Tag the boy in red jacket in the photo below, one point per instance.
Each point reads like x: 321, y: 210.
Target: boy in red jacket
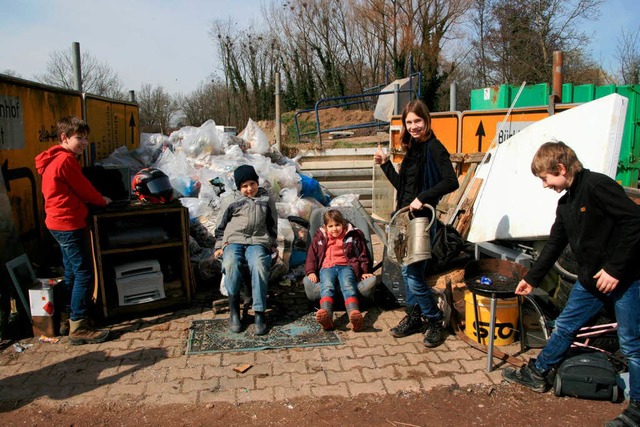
x: 66, y: 194
x: 338, y: 252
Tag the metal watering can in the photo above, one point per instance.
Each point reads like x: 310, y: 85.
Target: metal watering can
x: 414, y: 244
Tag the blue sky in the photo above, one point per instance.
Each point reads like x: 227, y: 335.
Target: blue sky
x: 166, y: 43
x: 159, y: 42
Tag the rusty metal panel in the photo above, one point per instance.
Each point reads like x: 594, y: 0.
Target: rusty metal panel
x: 29, y: 127
x: 113, y: 124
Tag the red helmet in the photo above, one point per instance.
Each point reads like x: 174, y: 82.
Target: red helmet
x: 151, y: 185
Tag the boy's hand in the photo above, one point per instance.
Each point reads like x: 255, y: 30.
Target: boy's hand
x: 523, y: 288
x: 107, y: 200
x: 366, y: 275
x: 217, y: 253
x: 606, y: 283
x: 379, y: 157
x: 313, y: 277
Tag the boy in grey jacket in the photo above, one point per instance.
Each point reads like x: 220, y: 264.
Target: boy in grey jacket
x: 247, y: 236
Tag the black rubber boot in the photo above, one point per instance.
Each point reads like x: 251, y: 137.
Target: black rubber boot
x: 261, y: 323
x: 235, y: 325
x: 410, y: 324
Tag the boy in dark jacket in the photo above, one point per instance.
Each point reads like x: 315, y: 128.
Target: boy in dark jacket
x: 66, y: 193
x: 602, y: 226
x: 247, y: 236
x: 338, y: 252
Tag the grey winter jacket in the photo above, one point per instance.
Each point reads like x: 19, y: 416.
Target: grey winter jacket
x: 248, y: 220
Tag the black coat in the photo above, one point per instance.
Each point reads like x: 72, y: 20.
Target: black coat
x: 602, y: 226
x: 411, y: 181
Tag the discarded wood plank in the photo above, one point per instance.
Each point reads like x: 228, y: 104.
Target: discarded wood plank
x: 466, y: 209
x: 473, y: 157
x: 241, y: 369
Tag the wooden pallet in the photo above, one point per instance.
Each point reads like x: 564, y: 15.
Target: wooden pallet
x: 456, y: 208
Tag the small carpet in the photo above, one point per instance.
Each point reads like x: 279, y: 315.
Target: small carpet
x: 213, y: 336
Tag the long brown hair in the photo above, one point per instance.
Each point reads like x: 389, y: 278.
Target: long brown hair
x: 418, y: 108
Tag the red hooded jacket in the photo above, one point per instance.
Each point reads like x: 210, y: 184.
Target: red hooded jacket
x: 66, y: 190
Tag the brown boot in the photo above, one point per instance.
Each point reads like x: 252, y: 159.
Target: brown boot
x: 81, y: 332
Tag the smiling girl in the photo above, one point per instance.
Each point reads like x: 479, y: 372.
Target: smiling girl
x: 425, y: 175
x: 338, y: 253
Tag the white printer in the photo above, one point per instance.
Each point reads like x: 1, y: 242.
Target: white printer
x: 139, y: 282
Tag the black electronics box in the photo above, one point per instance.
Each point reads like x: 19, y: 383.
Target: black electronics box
x: 393, y: 291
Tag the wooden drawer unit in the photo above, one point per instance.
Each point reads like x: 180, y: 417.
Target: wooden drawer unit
x: 142, y: 233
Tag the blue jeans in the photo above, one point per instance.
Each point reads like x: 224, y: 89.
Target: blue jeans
x: 234, y: 259
x: 344, y: 275
x: 581, y: 307
x: 418, y: 292
x: 77, y: 260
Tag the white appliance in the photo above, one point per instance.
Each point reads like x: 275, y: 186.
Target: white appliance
x: 139, y: 282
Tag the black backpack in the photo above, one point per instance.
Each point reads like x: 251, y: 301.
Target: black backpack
x: 447, y: 245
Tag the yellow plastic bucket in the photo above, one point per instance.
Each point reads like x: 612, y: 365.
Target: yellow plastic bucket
x: 506, y: 319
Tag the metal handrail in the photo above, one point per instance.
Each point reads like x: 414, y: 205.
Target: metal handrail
x: 319, y: 131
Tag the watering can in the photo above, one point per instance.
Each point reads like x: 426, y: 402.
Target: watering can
x: 414, y: 243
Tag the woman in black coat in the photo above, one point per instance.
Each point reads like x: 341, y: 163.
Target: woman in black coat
x: 425, y: 175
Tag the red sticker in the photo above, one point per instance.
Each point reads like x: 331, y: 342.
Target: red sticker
x: 48, y: 308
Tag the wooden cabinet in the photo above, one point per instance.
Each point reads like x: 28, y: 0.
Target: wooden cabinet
x: 142, y: 233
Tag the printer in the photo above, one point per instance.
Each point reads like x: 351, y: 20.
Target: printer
x: 139, y: 282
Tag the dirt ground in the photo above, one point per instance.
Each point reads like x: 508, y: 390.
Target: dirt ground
x: 477, y: 406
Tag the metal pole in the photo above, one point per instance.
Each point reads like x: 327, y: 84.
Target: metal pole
x: 557, y: 75
x: 77, y: 67
x: 396, y: 99
x: 492, y: 327
x: 278, y: 121
x: 453, y: 93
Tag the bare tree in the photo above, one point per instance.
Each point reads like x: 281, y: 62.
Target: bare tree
x: 628, y: 55
x: 10, y: 72
x: 208, y: 101
x: 156, y: 108
x: 515, y: 39
x: 97, y: 78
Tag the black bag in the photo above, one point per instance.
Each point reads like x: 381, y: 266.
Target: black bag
x: 447, y: 245
x: 587, y: 375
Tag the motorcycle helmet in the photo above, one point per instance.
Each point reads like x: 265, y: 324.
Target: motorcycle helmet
x: 151, y: 185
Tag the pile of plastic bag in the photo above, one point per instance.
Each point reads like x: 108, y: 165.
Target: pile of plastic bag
x: 200, y: 161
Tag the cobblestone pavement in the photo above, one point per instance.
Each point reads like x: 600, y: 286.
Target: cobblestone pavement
x: 146, y: 363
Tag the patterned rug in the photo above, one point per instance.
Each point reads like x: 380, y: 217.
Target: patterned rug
x: 213, y: 336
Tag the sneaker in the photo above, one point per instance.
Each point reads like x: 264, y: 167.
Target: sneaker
x: 355, y: 317
x: 410, y: 324
x: 325, y: 319
x: 528, y: 375
x: 434, y: 335
x: 628, y: 417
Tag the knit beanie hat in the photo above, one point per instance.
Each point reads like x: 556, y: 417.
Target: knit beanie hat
x: 244, y: 173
